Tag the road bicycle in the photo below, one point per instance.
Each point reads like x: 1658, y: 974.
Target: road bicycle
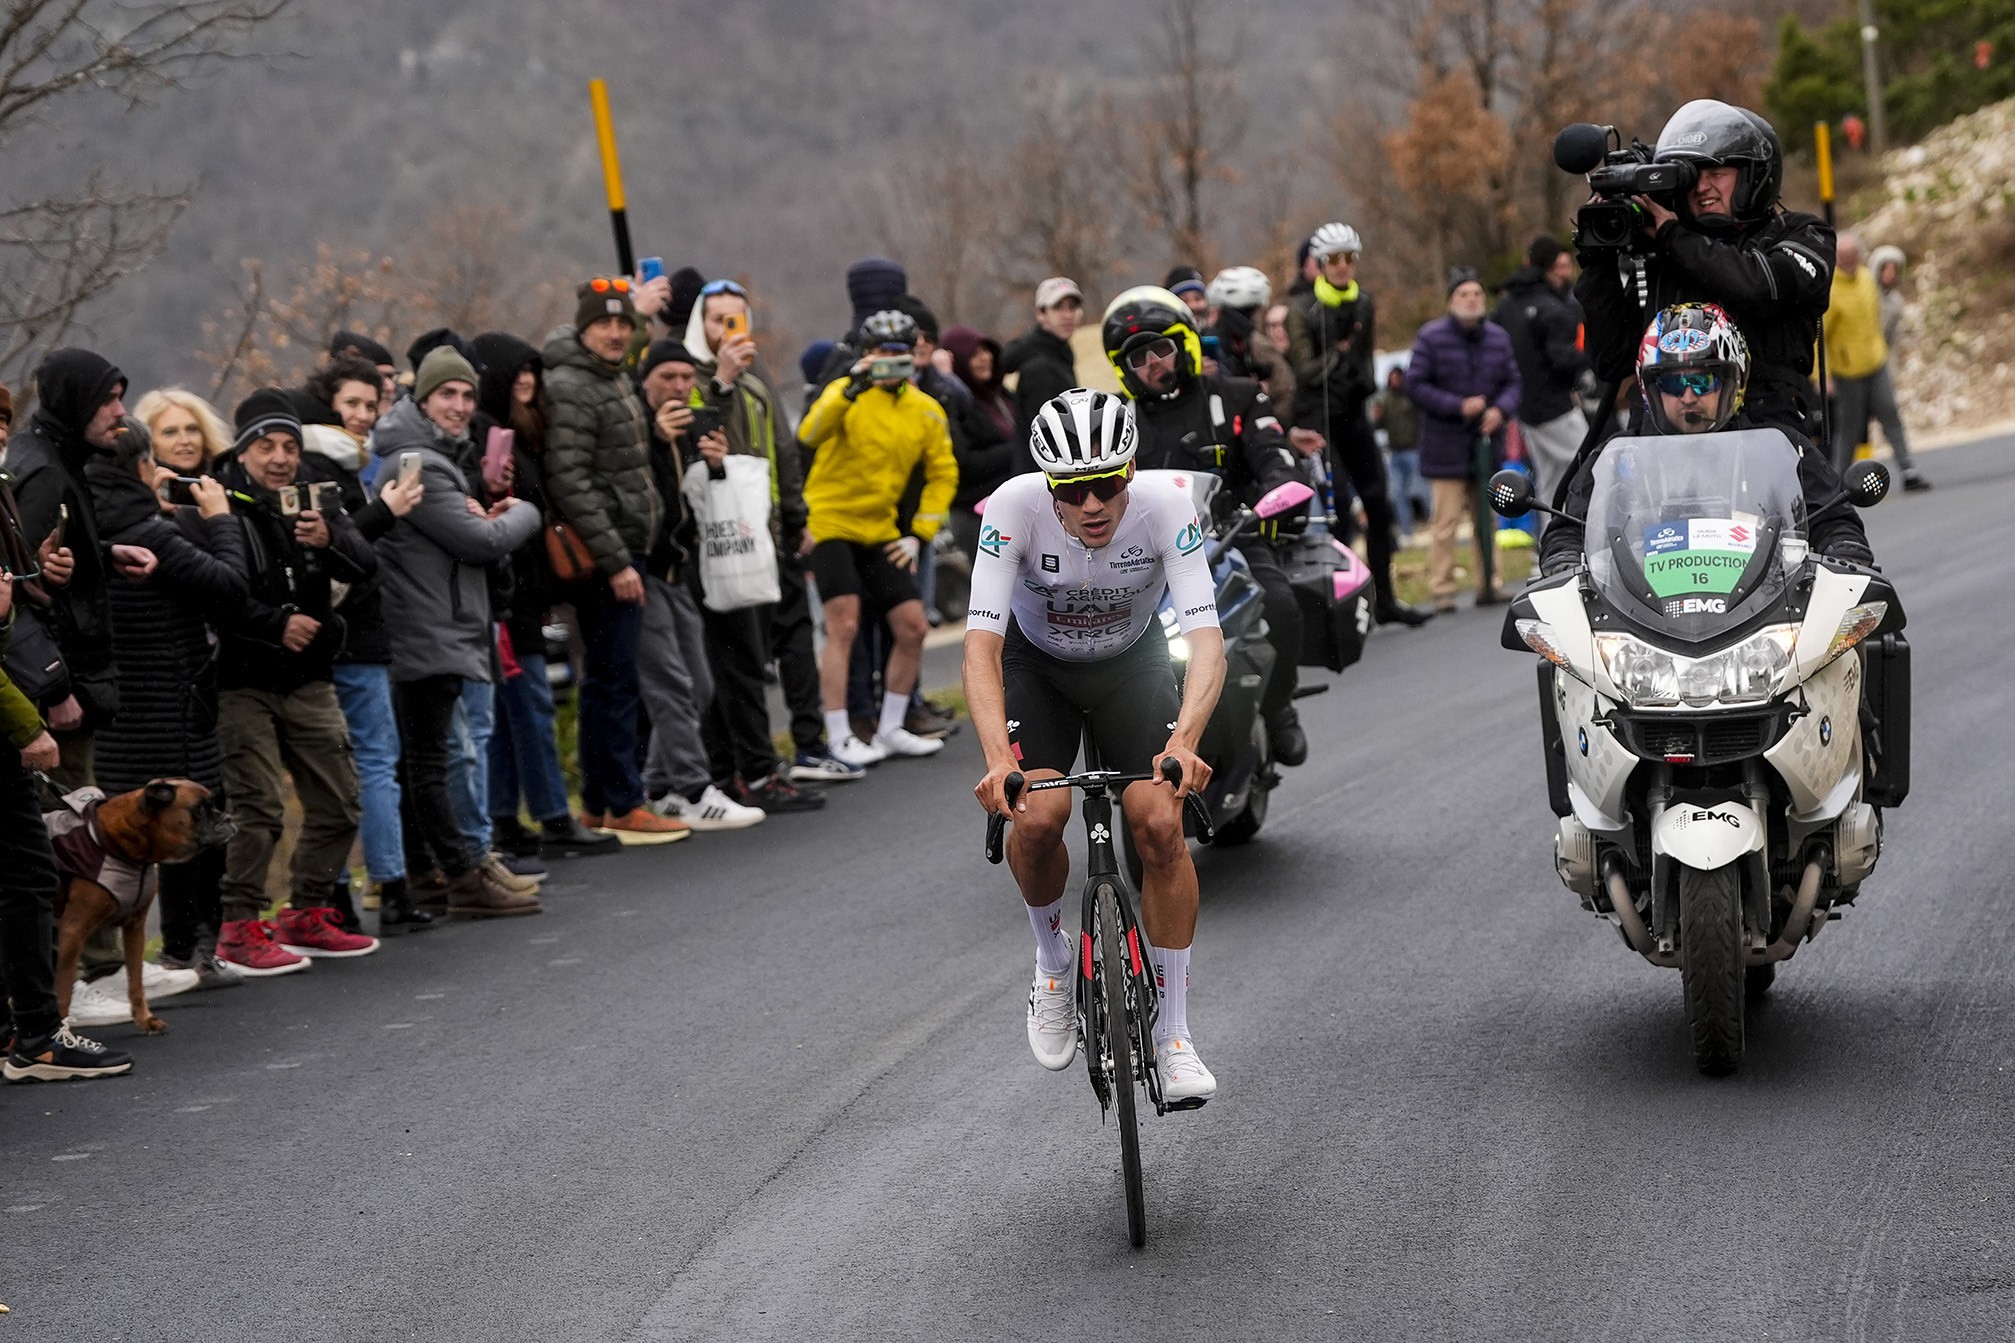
x: 1116, y: 999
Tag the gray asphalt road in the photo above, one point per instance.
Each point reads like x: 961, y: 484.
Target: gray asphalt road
x: 774, y: 1085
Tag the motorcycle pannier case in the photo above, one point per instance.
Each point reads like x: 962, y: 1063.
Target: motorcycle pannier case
x: 1887, y: 666
x: 1333, y: 589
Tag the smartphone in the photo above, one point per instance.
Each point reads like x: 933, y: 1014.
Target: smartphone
x: 497, y: 452
x: 325, y: 497
x: 890, y: 367
x: 177, y: 490
x: 290, y: 500
x: 734, y: 324
x: 650, y: 268
x: 62, y: 524
x: 704, y: 422
x: 409, y: 467
x: 1211, y: 345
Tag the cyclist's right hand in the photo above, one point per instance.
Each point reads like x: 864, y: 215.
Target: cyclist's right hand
x: 992, y: 791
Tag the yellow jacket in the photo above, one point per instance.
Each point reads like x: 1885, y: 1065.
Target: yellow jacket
x: 865, y: 451
x: 1854, y: 344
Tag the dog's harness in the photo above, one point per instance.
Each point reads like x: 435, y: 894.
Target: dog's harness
x: 81, y: 853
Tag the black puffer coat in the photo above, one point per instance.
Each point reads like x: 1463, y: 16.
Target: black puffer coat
x: 161, y: 645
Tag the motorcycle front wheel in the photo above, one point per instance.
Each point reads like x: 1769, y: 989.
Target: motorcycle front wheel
x: 1712, y: 966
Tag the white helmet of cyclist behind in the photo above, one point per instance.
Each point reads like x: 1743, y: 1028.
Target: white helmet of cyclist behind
x: 1334, y: 239
x: 1243, y: 287
x: 1082, y: 433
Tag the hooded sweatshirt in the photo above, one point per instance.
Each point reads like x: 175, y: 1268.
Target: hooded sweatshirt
x: 756, y: 427
x: 436, y: 592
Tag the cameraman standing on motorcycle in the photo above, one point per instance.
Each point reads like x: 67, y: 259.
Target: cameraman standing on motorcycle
x: 1731, y: 243
x: 1188, y: 420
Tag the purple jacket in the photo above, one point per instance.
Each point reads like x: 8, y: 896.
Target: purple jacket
x: 1448, y: 366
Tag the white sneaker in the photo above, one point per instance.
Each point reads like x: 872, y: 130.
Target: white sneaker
x: 854, y: 751
x: 714, y: 811
x: 158, y: 981
x: 1185, y: 1082
x: 101, y: 1003
x: 902, y: 741
x: 1052, y: 1019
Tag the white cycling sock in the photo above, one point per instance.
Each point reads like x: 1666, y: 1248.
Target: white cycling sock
x: 1171, y: 979
x: 1052, y: 946
x: 895, y: 708
x: 838, y: 729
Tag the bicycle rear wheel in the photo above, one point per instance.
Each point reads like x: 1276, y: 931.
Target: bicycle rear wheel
x: 1119, y: 1046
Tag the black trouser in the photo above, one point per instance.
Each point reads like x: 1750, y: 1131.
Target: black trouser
x: 1283, y: 625
x: 736, y: 726
x: 792, y: 645
x: 1353, y: 456
x: 27, y: 909
x: 426, y: 710
x: 192, y: 905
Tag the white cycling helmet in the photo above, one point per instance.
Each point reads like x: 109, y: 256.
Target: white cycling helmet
x: 1331, y: 239
x: 1241, y: 287
x: 1082, y: 432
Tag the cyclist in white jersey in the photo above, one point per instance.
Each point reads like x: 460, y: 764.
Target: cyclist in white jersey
x: 1073, y: 561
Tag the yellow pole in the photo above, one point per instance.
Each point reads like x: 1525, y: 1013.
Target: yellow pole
x: 612, y: 174
x: 1823, y: 134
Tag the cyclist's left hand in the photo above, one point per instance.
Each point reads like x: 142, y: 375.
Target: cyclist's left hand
x: 1195, y: 774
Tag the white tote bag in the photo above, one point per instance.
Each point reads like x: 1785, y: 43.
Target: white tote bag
x: 738, y: 563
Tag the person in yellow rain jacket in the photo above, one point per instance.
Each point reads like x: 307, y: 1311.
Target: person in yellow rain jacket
x: 868, y: 435
x: 1857, y: 365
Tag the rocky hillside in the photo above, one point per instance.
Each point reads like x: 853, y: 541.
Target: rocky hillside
x: 1949, y: 203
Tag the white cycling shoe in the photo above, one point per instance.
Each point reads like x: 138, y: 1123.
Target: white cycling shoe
x: 1185, y: 1082
x: 1052, y: 1019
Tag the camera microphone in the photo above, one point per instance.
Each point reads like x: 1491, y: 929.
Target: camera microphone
x: 1580, y: 148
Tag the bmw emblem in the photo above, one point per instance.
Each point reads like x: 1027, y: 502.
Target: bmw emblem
x: 1584, y: 741
x: 1826, y: 732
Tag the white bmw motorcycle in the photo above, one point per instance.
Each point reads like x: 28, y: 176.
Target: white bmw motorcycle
x: 1725, y: 713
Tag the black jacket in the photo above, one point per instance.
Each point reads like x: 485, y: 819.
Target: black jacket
x: 286, y: 579
x: 1220, y: 424
x: 1331, y: 385
x: 1774, y: 278
x: 365, y: 637
x: 1833, y: 525
x: 1048, y: 368
x: 167, y: 675
x: 1545, y: 329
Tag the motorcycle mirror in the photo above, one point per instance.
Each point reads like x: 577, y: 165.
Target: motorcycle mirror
x: 1867, y: 484
x: 1511, y: 494
x: 1284, y: 498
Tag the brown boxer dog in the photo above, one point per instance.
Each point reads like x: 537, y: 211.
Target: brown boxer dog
x: 109, y: 852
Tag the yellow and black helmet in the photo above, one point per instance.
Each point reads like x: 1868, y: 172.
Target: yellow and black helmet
x: 1141, y: 317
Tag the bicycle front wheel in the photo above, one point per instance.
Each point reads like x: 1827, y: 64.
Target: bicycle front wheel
x: 1119, y: 1047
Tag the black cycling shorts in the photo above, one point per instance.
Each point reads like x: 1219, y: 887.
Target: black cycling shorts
x: 849, y: 569
x: 1130, y: 696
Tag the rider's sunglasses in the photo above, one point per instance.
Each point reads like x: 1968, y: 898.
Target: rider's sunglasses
x: 1138, y: 359
x: 1679, y: 384
x: 602, y: 284
x: 1074, y: 490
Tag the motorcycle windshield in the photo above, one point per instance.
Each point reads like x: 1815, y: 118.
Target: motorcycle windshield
x: 1693, y: 534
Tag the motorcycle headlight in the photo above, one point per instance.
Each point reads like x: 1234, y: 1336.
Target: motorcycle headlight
x: 1856, y: 625
x: 1651, y: 678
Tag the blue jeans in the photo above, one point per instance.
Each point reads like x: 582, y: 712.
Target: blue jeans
x: 524, y: 757
x: 365, y: 692
x: 610, y: 631
x: 1408, y: 490
x: 469, y: 764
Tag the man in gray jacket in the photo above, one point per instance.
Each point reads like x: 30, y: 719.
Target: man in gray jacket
x: 437, y: 608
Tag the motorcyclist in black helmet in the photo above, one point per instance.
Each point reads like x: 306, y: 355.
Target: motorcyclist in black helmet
x: 1191, y: 421
x: 1730, y: 243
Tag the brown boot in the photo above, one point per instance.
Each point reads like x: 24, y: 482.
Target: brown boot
x: 474, y: 895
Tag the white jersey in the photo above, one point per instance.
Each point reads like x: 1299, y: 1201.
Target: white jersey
x: 1082, y: 604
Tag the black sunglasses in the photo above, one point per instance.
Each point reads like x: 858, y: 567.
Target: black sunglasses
x: 1074, y: 492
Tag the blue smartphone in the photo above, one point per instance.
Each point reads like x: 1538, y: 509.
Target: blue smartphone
x: 651, y: 267
x: 1210, y: 347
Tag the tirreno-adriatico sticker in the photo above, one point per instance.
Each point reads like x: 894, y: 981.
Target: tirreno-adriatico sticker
x: 1697, y: 555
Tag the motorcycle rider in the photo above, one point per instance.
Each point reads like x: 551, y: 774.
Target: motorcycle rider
x: 1730, y: 243
x: 1693, y: 371
x: 1074, y: 559
x: 1189, y: 420
x: 1330, y: 334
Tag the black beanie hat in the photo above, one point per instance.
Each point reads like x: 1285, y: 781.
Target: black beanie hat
x: 267, y: 411
x: 427, y: 342
x: 1545, y: 250
x: 1301, y: 254
x: 1184, y: 278
x: 686, y: 286
x: 919, y: 312
x: 667, y: 351
x: 362, y: 346
x: 1458, y: 276
x: 874, y: 284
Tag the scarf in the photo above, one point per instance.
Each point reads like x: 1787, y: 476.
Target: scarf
x: 1330, y: 296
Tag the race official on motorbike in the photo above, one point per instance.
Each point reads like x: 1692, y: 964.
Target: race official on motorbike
x: 1730, y: 243
x: 1693, y: 370
x: 1188, y: 420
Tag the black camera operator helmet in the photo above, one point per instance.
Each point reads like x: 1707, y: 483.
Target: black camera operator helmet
x: 1149, y: 319
x: 1713, y: 134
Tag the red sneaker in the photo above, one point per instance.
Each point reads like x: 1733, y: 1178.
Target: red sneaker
x: 248, y: 944
x: 318, y: 932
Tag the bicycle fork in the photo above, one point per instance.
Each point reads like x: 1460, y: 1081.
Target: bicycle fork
x: 1142, y: 998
